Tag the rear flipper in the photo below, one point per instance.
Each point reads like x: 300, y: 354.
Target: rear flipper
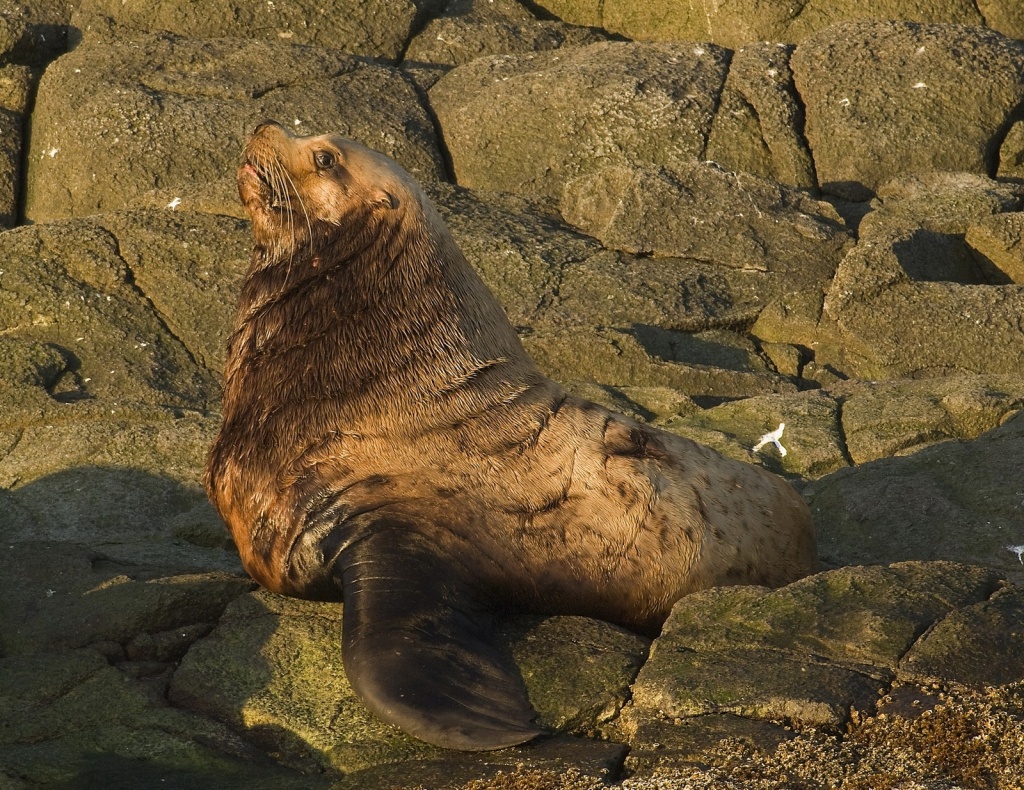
x: 418, y: 650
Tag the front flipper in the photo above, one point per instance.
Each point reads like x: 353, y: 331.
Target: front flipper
x: 417, y: 647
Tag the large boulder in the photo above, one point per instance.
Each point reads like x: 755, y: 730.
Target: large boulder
x: 125, y: 112
x: 955, y: 500
x: 699, y: 211
x: 858, y: 675
x: 912, y: 299
x: 470, y: 29
x: 809, y: 432
x: 887, y: 418
x: 530, y: 123
x: 648, y: 356
x: 112, y: 342
x: 995, y: 244
x: 71, y: 719
x: 735, y: 24
x: 808, y: 652
x: 738, y: 23
x: 758, y: 127
x: 375, y: 28
x: 885, y: 98
x: 69, y: 285
x: 544, y: 272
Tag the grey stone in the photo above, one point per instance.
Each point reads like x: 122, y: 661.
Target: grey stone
x: 126, y: 112
x: 903, y: 304
x: 658, y: 743
x: 893, y: 97
x: 272, y: 667
x: 956, y: 500
x: 66, y: 284
x: 643, y: 356
x: 1006, y: 16
x: 35, y: 32
x: 579, y: 12
x: 63, y: 596
x: 189, y: 267
x: 807, y: 652
x: 13, y: 28
x: 995, y: 244
x: 1011, y: 152
x: 882, y: 419
x: 861, y: 617
x: 899, y: 317
x: 604, y: 660
x: 70, y: 719
x: 375, y: 28
x: 758, y: 124
x: 735, y: 24
x: 811, y: 437
x: 700, y: 211
x: 471, y: 29
x: 980, y: 645
x: 553, y: 764
x: 544, y: 272
x: 938, y: 202
x: 521, y: 250
x: 128, y: 487
x: 613, y: 288
x: 530, y: 123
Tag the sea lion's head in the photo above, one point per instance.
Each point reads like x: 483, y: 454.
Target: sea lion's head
x: 304, y: 193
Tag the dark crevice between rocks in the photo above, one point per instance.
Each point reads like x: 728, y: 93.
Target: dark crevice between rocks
x: 10, y: 451
x: 617, y: 771
x: 703, y: 155
x: 612, y: 723
x: 65, y: 384
x: 541, y: 13
x: 841, y: 432
x: 767, y: 361
x: 426, y: 12
x: 442, y: 145
x: 21, y: 180
x: 800, y: 122
x: 995, y: 144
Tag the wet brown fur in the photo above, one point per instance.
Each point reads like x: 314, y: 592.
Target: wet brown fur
x: 387, y: 440
x: 371, y: 368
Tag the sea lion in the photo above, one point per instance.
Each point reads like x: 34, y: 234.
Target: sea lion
x: 387, y: 441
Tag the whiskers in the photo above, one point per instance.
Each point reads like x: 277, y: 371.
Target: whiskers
x: 284, y: 194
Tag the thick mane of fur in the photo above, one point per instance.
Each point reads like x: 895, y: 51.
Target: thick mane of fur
x: 378, y: 326
x: 385, y: 294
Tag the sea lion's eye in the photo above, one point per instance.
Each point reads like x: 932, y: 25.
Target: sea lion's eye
x: 324, y: 160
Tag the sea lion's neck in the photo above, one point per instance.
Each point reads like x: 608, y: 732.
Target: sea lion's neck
x: 392, y: 308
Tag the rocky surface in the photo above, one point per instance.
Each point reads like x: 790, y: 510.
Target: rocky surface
x: 735, y: 24
x: 126, y: 112
x: 743, y: 218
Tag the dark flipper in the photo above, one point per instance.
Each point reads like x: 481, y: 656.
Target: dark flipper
x: 418, y: 650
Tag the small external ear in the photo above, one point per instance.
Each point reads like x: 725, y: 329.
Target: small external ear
x: 386, y: 199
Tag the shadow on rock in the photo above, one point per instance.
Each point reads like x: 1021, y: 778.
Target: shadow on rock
x: 954, y: 500
x: 114, y: 772
x: 153, y: 521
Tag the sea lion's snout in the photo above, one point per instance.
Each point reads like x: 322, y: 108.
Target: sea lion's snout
x: 268, y: 123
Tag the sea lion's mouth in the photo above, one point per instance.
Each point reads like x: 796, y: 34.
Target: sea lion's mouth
x: 268, y: 187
